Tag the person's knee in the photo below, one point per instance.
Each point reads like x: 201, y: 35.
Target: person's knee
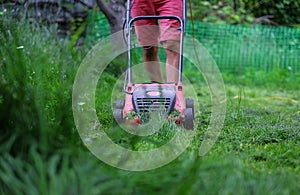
x: 150, y: 51
x: 172, y: 45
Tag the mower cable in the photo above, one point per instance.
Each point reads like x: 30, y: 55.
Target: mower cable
x: 195, y: 50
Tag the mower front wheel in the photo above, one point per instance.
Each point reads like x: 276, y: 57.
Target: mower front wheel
x: 188, y: 122
x: 120, y: 103
x: 118, y: 115
x: 189, y: 103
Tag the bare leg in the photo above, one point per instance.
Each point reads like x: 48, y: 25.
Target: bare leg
x: 152, y: 63
x: 172, y: 53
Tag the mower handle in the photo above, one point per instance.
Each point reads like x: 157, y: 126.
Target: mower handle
x: 182, y: 30
x: 158, y: 18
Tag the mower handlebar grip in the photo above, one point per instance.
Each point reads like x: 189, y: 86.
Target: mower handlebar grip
x: 157, y: 17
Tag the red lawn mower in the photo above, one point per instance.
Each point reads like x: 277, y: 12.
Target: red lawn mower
x: 144, y: 98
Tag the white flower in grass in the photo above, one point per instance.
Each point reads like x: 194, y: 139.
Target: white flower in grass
x: 20, y: 47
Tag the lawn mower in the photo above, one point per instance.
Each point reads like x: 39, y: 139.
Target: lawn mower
x: 143, y: 98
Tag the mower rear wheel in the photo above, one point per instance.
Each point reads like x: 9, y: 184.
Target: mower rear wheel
x: 118, y: 115
x: 189, y: 103
x: 188, y: 122
x: 120, y: 103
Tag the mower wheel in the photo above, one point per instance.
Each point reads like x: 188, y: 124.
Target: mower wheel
x: 120, y: 103
x: 118, y: 114
x: 188, y: 122
x: 189, y: 103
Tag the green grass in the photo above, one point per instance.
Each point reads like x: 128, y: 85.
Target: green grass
x: 41, y: 152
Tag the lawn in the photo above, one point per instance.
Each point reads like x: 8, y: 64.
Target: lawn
x: 257, y: 152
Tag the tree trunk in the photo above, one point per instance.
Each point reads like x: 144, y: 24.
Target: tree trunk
x: 115, y: 14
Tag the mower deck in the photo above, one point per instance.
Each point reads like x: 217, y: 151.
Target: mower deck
x: 142, y: 99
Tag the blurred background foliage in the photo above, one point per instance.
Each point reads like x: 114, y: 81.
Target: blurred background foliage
x: 283, y: 13
x: 71, y: 16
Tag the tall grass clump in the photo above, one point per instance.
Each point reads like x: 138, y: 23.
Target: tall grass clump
x: 36, y: 78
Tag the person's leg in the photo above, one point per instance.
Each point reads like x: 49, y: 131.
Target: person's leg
x: 172, y: 60
x: 152, y: 63
x: 170, y: 36
x: 148, y: 33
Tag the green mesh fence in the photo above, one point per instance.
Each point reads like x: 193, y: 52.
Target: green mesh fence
x: 237, y: 48
x: 257, y: 47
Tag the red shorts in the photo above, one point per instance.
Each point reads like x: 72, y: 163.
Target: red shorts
x: 148, y: 32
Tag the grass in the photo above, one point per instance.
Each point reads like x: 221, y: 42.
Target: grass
x: 41, y: 152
